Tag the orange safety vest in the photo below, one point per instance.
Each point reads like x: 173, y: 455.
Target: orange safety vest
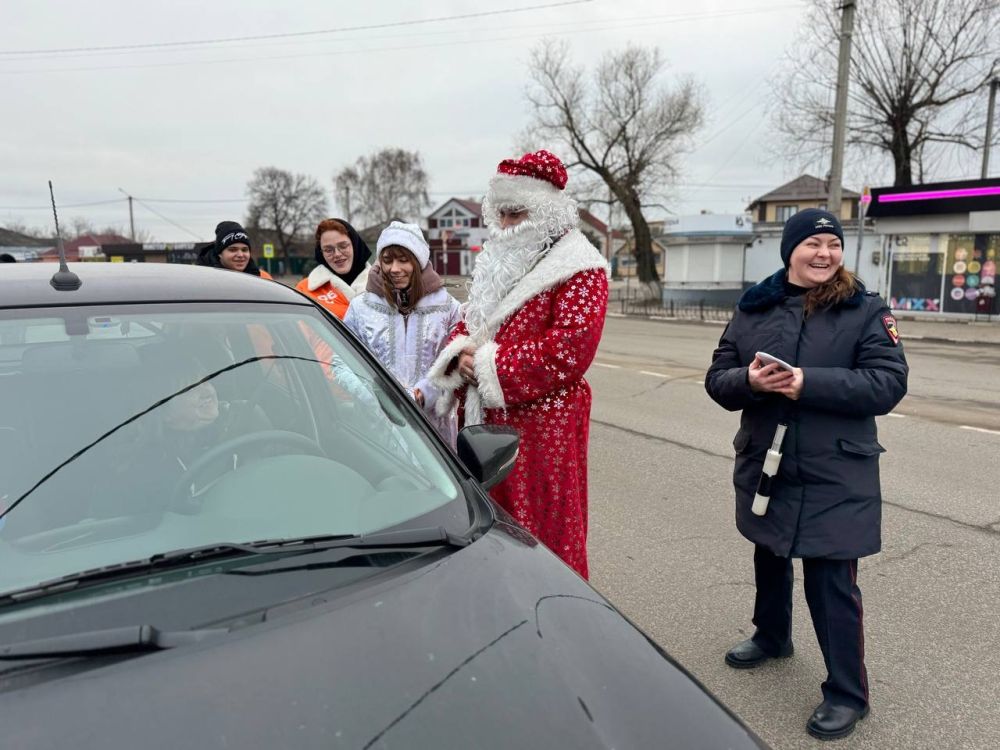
x: 327, y: 296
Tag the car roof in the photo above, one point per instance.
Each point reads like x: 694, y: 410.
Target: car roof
x: 27, y: 285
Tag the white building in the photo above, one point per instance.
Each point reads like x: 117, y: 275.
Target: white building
x: 705, y: 257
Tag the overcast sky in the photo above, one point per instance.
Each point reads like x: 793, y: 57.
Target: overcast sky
x: 191, y: 123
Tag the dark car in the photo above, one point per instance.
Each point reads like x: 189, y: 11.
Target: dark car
x: 224, y: 525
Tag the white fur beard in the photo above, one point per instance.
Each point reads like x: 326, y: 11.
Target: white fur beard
x: 504, y: 261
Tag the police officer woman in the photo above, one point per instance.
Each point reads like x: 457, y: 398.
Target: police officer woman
x: 825, y: 500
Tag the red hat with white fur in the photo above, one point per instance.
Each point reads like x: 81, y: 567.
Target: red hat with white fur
x: 541, y: 165
x: 532, y: 182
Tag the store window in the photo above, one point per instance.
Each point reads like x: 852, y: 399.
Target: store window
x: 970, y: 271
x: 917, y: 268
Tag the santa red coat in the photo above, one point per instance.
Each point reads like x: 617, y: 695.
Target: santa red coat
x: 545, y: 334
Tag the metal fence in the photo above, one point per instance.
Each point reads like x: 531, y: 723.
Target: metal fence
x: 629, y: 303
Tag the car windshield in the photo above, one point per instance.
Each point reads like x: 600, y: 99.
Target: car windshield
x: 130, y: 431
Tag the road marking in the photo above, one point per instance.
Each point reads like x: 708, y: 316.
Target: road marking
x: 700, y: 382
x: 654, y: 374
x: 610, y: 367
x: 896, y: 416
x: 979, y: 429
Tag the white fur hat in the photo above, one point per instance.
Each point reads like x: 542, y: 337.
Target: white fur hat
x: 408, y: 236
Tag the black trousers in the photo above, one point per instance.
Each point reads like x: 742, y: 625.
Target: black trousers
x: 834, y: 600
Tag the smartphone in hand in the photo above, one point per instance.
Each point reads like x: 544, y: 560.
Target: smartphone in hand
x: 769, y: 359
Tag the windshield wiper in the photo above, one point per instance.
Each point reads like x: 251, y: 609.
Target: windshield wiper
x: 124, y: 640
x: 420, y: 537
x: 169, y: 559
x: 412, y: 541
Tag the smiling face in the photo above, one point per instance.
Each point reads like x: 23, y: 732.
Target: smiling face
x: 815, y: 260
x: 397, y: 266
x: 235, y: 257
x: 337, y: 250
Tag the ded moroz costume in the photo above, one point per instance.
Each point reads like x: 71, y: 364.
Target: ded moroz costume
x: 534, y: 319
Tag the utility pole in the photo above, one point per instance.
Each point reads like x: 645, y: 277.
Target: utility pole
x: 866, y: 198
x: 609, y: 232
x: 131, y: 216
x: 347, y: 199
x: 840, y: 108
x: 994, y: 85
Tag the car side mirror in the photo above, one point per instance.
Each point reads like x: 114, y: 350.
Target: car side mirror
x: 489, y: 452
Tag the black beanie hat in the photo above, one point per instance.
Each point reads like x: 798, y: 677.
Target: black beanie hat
x: 229, y: 233
x: 226, y: 233
x: 805, y: 224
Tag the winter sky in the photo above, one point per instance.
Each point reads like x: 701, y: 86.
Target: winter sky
x: 191, y: 122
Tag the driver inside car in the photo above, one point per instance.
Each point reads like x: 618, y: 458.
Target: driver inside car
x: 168, y: 442
x: 195, y: 421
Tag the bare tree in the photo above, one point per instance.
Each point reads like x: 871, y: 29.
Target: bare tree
x: 81, y: 225
x: 19, y: 226
x: 388, y: 183
x: 919, y: 75
x: 284, y: 203
x: 622, y: 125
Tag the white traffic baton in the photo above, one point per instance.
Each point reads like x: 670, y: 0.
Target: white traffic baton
x: 771, y: 462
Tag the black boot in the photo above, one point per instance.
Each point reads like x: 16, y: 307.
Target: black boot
x: 831, y: 722
x: 748, y: 654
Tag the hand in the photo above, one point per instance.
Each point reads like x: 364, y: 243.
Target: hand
x: 794, y: 389
x: 467, y: 366
x: 768, y: 378
x: 418, y: 396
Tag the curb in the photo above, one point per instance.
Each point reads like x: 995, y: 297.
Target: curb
x: 945, y: 340
x: 668, y: 319
x: 695, y: 321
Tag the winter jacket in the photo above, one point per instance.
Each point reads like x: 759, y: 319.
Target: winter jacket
x: 408, y: 345
x: 826, y: 500
x: 332, y: 292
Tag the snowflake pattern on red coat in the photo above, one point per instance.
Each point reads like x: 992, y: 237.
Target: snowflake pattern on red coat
x: 543, y: 351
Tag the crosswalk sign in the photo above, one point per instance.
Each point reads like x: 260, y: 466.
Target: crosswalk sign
x: 268, y: 249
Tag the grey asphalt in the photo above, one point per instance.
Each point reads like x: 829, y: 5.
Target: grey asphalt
x: 664, y: 547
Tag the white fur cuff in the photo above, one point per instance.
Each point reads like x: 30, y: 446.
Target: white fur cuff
x: 445, y: 403
x: 438, y: 373
x: 490, y: 391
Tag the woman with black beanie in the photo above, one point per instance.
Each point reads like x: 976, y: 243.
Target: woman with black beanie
x: 342, y: 273
x: 836, y: 362
x: 231, y: 250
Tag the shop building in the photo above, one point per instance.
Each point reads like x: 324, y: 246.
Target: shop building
x: 941, y: 243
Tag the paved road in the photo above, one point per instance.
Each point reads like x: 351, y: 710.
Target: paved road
x: 665, y: 549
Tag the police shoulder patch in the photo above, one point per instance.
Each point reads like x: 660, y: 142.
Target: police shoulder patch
x: 890, y: 326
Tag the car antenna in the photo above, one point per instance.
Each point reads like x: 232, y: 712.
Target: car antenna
x: 62, y: 280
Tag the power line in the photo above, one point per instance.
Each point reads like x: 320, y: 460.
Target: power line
x: 602, y: 24
x: 62, y: 205
x: 168, y: 220
x: 455, y: 193
x: 195, y: 200
x: 294, y: 34
x: 565, y: 30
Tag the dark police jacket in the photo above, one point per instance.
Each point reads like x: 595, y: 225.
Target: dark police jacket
x: 826, y: 500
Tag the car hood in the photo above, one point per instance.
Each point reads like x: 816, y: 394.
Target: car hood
x: 495, y: 646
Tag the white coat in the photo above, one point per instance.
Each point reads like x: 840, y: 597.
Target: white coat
x: 408, y: 345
